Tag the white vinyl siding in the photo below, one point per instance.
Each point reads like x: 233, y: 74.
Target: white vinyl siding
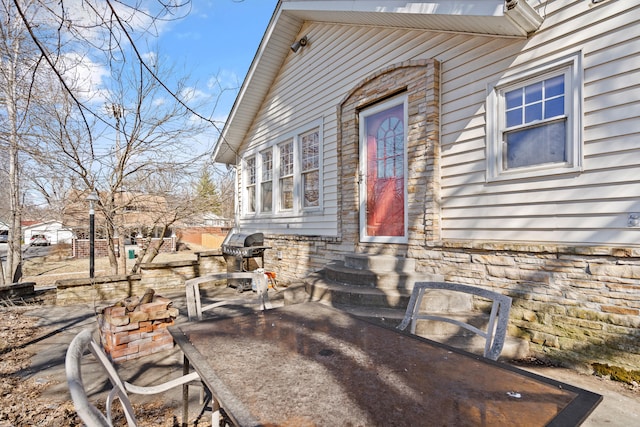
x: 589, y: 206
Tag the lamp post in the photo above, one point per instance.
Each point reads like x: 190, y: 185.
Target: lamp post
x: 92, y: 197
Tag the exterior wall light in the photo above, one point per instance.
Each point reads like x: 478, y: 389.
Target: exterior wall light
x: 298, y: 44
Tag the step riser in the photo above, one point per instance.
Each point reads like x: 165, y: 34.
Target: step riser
x: 434, y: 329
x: 437, y: 301
x: 365, y: 278
x: 446, y: 302
x: 390, y: 280
x: 379, y: 263
x: 345, y: 297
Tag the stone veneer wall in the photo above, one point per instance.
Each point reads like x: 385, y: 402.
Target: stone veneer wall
x: 575, y: 304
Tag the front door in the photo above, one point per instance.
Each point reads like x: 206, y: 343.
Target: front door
x: 383, y: 166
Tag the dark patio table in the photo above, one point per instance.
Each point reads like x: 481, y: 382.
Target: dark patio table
x: 313, y: 365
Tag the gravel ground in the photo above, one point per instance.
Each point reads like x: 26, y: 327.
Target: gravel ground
x: 30, y: 396
x: 25, y: 397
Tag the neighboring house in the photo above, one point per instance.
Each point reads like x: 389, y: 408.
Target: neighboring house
x: 494, y: 142
x: 55, y: 232
x: 137, y: 213
x: 213, y: 220
x: 4, y: 232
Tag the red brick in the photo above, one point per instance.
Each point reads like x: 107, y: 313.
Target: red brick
x: 138, y: 316
x: 130, y: 327
x: 163, y: 339
x: 163, y: 325
x: 153, y: 306
x: 161, y: 314
x: 117, y: 354
x: 125, y: 338
x: 114, y: 311
x: 145, y: 327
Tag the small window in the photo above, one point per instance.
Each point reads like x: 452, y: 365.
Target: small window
x: 286, y: 175
x: 310, y: 152
x: 266, y: 184
x: 534, y: 123
x: 251, y: 184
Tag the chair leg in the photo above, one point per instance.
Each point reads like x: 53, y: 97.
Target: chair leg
x: 216, y: 417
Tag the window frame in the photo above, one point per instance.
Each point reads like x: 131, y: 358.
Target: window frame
x: 305, y: 172
x: 571, y: 67
x: 286, y: 175
x: 269, y: 175
x: 250, y: 184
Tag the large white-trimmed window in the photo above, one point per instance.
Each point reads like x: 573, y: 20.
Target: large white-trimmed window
x: 266, y: 182
x: 283, y: 177
x: 534, y: 122
x: 310, y: 169
x: 250, y: 190
x: 285, y: 189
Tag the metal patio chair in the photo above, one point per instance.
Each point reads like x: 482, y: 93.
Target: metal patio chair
x: 194, y: 301
x: 496, y: 330
x: 260, y: 281
x: 89, y: 413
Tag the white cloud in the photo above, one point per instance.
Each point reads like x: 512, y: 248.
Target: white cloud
x: 86, y: 76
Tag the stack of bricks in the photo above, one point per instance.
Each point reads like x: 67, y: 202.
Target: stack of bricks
x: 131, y: 334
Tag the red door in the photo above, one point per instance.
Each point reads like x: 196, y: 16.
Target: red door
x: 384, y: 174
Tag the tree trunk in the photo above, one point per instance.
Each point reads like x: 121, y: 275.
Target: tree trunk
x: 13, y: 271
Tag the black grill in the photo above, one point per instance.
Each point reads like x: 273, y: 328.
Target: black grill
x: 241, y: 251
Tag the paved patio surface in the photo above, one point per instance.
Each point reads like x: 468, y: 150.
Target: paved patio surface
x: 619, y: 408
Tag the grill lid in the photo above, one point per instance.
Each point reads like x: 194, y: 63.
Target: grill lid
x: 239, y: 240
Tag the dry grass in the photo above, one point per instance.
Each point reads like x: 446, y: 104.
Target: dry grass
x: 59, y: 265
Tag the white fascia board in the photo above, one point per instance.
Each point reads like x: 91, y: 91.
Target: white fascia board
x: 461, y: 8
x: 523, y: 15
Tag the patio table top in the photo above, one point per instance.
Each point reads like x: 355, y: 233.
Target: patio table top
x: 309, y: 364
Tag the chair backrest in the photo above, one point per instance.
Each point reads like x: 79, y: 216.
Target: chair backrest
x: 89, y: 414
x: 194, y: 301
x: 496, y: 329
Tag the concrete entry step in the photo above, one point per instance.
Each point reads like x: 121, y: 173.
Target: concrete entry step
x: 378, y: 287
x: 317, y: 288
x: 380, y: 263
x: 339, y: 272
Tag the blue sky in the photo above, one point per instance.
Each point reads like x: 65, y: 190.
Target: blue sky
x: 217, y: 38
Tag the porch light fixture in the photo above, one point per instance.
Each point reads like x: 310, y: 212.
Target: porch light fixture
x: 298, y: 44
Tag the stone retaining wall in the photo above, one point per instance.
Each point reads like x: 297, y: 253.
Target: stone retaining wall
x: 163, y: 278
